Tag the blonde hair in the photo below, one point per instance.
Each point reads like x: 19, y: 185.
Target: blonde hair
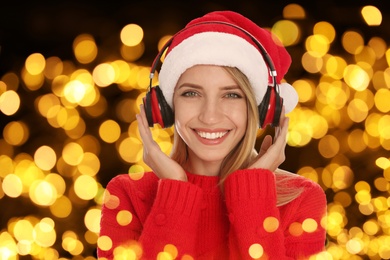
x: 244, y: 153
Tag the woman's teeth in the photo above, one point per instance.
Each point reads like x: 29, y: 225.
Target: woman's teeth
x: 214, y: 135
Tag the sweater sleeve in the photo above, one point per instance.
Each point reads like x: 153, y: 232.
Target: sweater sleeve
x: 173, y: 219
x: 169, y: 218
x: 257, y: 229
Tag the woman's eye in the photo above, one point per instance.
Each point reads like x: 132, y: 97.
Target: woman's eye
x: 189, y: 94
x: 233, y: 95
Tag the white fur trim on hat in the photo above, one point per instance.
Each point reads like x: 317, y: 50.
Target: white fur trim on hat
x: 289, y: 95
x: 221, y: 49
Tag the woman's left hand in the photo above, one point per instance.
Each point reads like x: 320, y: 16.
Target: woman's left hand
x: 271, y: 155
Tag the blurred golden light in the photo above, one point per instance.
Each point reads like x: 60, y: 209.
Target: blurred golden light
x: 75, y: 91
x: 383, y: 162
x: 57, y: 181
x: 354, y: 245
x: 45, y: 157
x: 294, y: 11
x: 110, y: 201
x: 9, y: 102
x: 43, y: 193
x: 121, y: 70
x: 92, y: 220
x: 335, y: 67
x: 356, y: 141
x: 356, y: 77
x: 104, y: 74
x: 256, y: 251
x: 12, y: 186
x: 23, y: 230
x: 48, y: 105
x: 62, y: 207
x: 85, y: 187
x: 132, y: 53
x: 84, y: 48
x: 131, y: 34
x: 295, y: 229
x: 308, y: 172
x: 54, y: 67
x: 325, y: 29
x: 352, y: 42
x: 287, y: 32
x: 3, y: 87
x: 32, y: 82
x: 357, y: 110
x: 270, y: 224
x: 328, y: 146
x: 44, y: 233
x: 16, y: 133
x: 104, y: 243
x: 367, y: 55
x: 343, y: 198
x: 131, y: 149
x: 90, y: 164
x: 136, y: 172
x: 91, y: 238
x: 7, y: 166
x: 310, y: 63
x: 317, y: 45
x: 342, y: 177
x: 9, y: 81
x: 384, y: 127
x: 363, y: 197
x: 109, y: 131
x: 171, y: 250
x: 124, y: 217
x: 382, y: 184
x: 382, y: 97
x: 305, y: 89
x: 35, y: 63
x: 72, y: 153
x: 371, y: 15
x: 378, y: 45
x: 309, y: 225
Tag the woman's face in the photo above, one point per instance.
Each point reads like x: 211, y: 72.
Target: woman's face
x: 210, y: 113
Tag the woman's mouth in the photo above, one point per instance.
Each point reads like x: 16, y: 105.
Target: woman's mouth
x: 211, y: 135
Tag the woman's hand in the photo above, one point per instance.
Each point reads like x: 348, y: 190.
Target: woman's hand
x: 161, y: 164
x: 271, y: 155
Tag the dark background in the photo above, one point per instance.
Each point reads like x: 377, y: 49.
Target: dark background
x: 49, y: 27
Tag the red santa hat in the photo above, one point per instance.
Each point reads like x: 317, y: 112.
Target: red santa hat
x: 226, y: 38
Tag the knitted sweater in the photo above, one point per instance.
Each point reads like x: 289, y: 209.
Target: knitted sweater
x: 195, y: 219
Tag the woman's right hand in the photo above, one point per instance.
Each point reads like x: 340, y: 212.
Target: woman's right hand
x: 161, y: 164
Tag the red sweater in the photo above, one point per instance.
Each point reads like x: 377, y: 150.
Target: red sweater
x: 200, y: 222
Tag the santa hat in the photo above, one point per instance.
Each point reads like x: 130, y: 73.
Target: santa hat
x: 214, y: 39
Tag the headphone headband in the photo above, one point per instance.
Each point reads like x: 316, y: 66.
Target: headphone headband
x: 263, y: 51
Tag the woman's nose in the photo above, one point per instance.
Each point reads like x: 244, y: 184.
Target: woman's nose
x: 210, y: 112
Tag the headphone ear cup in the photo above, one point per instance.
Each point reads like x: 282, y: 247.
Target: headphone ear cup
x: 157, y: 109
x: 148, y: 108
x: 270, y: 108
x: 263, y: 107
x: 278, y: 109
x: 166, y: 111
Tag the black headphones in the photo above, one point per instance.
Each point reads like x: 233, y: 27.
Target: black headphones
x: 159, y: 112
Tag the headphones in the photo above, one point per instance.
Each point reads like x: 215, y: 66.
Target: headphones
x: 159, y: 112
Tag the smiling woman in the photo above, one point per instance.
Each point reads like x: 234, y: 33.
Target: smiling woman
x: 215, y: 196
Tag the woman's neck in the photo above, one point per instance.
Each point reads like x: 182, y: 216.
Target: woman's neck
x: 200, y: 167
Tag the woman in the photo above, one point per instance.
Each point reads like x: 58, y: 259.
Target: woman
x: 215, y: 197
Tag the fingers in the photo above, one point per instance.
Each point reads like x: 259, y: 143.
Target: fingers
x: 143, y: 127
x: 267, y: 142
